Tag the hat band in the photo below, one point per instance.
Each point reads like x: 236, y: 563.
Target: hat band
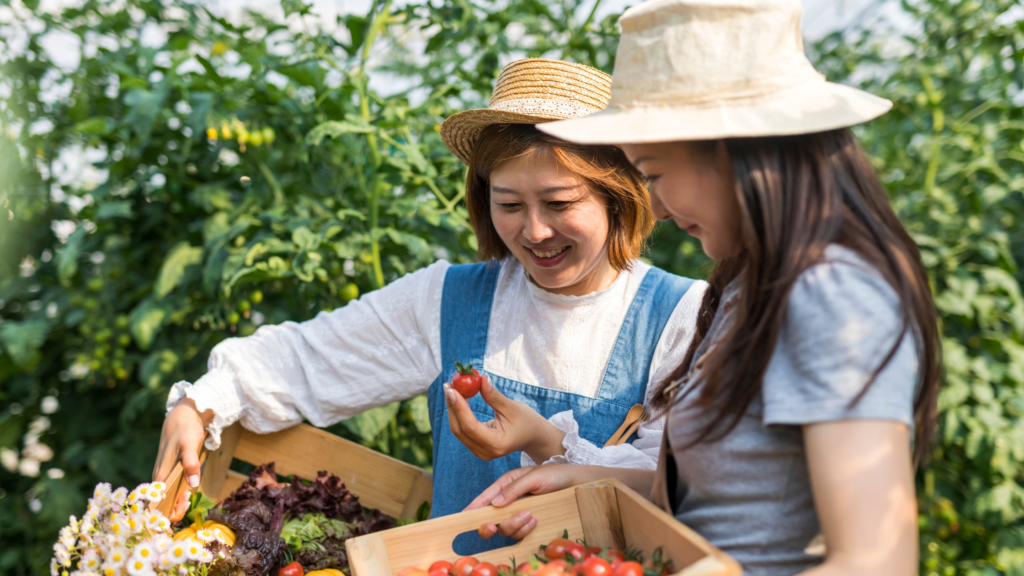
x: 543, y: 107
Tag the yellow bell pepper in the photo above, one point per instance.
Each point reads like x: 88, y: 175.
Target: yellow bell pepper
x: 326, y: 572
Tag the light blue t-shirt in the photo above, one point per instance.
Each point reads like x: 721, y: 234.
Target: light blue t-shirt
x: 749, y: 493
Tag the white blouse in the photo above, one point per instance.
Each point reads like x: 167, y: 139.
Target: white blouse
x: 386, y: 346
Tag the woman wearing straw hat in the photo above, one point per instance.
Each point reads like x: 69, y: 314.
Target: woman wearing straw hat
x: 560, y: 316
x: 815, y: 366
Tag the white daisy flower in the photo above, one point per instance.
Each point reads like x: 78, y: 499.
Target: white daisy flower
x: 137, y: 566
x: 137, y: 507
x: 153, y: 520
x: 164, y: 562
x: 117, y: 555
x: 135, y: 522
x: 182, y: 570
x: 109, y: 569
x: 90, y: 560
x: 163, y: 524
x: 67, y: 538
x: 158, y: 486
x: 205, y: 535
x: 205, y: 556
x: 219, y: 536
x: 162, y: 542
x: 194, y: 549
x: 145, y: 551
x: 119, y: 496
x: 178, y: 552
x: 63, y: 557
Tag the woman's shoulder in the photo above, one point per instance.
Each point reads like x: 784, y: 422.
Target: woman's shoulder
x: 843, y: 283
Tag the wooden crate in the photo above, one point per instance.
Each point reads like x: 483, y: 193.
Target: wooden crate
x: 605, y: 513
x: 392, y: 486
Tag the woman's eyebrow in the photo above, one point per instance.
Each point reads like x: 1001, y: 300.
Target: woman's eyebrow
x: 543, y: 191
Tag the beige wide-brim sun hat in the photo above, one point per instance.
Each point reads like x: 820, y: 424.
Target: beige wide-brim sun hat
x: 530, y: 91
x: 709, y: 69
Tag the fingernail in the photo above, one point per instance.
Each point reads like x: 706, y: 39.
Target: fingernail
x: 498, y: 501
x: 188, y: 494
x: 193, y: 480
x: 524, y: 515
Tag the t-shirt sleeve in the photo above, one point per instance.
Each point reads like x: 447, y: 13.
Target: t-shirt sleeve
x: 842, y: 320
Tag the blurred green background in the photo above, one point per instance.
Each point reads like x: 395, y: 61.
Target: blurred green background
x: 190, y: 178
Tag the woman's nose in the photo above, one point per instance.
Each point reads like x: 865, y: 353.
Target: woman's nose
x: 659, y: 210
x: 536, y: 229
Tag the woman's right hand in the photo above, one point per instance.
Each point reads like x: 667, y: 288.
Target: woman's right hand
x: 522, y: 481
x: 182, y: 436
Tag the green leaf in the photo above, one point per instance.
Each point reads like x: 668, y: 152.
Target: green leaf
x: 109, y: 210
x: 335, y: 128
x: 146, y: 320
x: 420, y: 413
x: 92, y: 126
x: 198, y: 119
x: 23, y: 339
x: 156, y: 368
x: 67, y: 257
x: 294, y: 7
x: 178, y: 260
x: 144, y: 107
x: 372, y: 422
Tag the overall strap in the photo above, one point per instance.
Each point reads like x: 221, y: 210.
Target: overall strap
x: 628, y: 370
x: 466, y: 315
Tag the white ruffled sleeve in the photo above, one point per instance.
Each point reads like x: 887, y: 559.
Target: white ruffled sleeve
x: 383, y: 347
x: 642, y: 453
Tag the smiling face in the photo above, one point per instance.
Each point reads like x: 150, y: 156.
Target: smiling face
x: 553, y: 223
x: 692, y: 183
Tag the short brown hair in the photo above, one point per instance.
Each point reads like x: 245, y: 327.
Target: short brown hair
x: 605, y: 169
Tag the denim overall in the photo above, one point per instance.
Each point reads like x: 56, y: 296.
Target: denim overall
x: 460, y: 476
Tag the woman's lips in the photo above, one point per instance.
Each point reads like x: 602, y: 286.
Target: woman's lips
x: 550, y: 260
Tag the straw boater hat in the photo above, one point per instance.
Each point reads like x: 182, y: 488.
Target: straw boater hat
x: 707, y: 69
x: 529, y: 92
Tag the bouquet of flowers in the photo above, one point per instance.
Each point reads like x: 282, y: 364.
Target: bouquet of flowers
x: 119, y: 535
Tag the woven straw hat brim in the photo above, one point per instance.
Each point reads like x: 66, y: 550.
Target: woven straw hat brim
x: 461, y: 131
x: 804, y: 109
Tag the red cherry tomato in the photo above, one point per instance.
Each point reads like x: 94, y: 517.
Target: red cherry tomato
x: 504, y: 569
x: 463, y: 566
x: 591, y: 551
x: 550, y: 570
x: 466, y: 380
x: 524, y: 569
x: 562, y: 564
x: 629, y: 569
x: 293, y: 569
x: 555, y: 550
x: 613, y: 556
x: 439, y: 572
x: 484, y: 569
x: 594, y: 566
x: 440, y: 565
x: 575, y: 550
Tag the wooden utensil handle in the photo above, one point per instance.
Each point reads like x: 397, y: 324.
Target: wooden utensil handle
x: 176, y: 484
x: 614, y: 440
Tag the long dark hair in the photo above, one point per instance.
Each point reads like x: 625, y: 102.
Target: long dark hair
x: 797, y: 195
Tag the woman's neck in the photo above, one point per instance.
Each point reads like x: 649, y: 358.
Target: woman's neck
x: 599, y: 278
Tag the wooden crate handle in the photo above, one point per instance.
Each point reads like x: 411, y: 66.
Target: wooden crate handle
x: 176, y: 484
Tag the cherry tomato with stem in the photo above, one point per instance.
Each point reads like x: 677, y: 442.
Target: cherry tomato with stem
x: 484, y: 569
x: 575, y: 550
x: 466, y: 380
x: 629, y: 569
x: 594, y: 566
x: 555, y: 550
x: 293, y: 569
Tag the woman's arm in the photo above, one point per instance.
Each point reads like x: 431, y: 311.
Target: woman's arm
x: 863, y: 485
x: 381, y: 348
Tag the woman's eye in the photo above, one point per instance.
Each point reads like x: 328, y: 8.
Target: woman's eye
x: 558, y: 204
x: 509, y: 206
x: 652, y: 179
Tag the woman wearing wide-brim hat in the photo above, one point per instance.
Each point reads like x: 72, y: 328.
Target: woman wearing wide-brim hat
x: 814, y: 371
x: 560, y: 314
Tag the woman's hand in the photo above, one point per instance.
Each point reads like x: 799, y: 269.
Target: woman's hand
x: 516, y: 427
x: 181, y: 438
x: 544, y: 480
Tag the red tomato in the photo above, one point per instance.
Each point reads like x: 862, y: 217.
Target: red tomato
x: 613, y: 556
x: 504, y: 569
x: 592, y: 551
x: 629, y: 569
x: 556, y: 549
x: 550, y: 569
x: 484, y: 569
x: 440, y: 565
x: 524, y: 568
x: 560, y: 563
x: 575, y: 550
x: 594, y: 566
x: 466, y: 380
x: 463, y: 566
x: 439, y: 572
x: 293, y: 569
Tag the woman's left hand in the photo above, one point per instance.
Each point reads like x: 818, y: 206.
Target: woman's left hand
x: 516, y: 427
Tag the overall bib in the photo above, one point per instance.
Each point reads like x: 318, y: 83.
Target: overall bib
x: 460, y: 476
